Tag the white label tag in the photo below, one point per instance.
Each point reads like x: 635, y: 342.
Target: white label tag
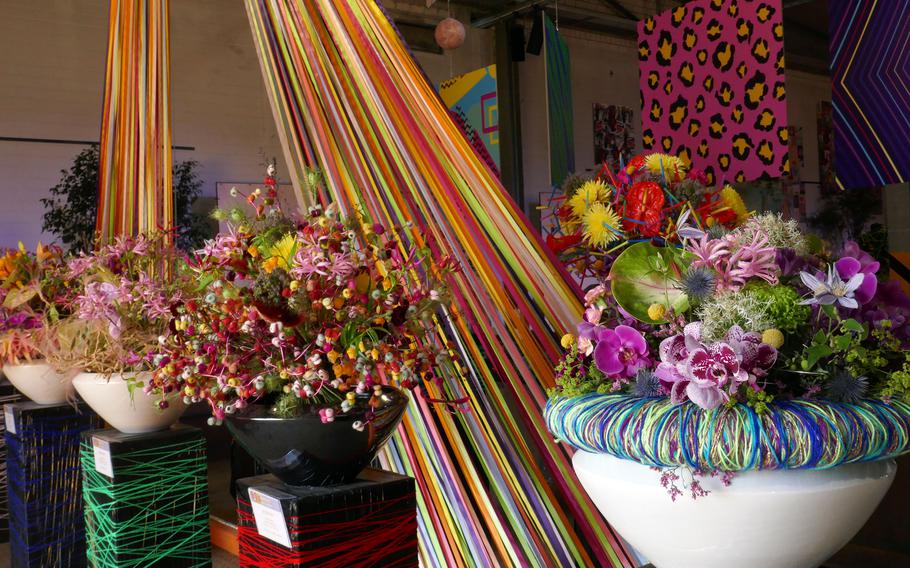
x: 269, y: 517
x: 102, y: 451
x: 10, y: 419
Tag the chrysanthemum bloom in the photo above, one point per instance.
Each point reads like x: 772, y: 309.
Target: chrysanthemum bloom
x: 590, y: 192
x: 601, y: 225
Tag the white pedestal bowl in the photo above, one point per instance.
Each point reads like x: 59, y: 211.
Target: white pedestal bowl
x: 38, y: 381
x: 784, y: 519
x: 131, y: 414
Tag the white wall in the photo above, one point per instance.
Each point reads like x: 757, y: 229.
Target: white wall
x: 52, y: 55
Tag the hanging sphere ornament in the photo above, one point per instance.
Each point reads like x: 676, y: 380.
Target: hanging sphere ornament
x: 449, y: 33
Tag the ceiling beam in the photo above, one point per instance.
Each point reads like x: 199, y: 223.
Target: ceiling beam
x: 619, y: 7
x: 488, y: 21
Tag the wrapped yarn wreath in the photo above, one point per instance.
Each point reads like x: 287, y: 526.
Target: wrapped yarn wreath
x: 795, y: 434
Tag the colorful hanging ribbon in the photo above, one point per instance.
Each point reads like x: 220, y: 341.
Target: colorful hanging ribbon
x: 134, y: 176
x: 495, y: 488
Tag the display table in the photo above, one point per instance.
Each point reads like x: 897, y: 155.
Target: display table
x: 146, y: 498
x: 371, y: 522
x: 45, y: 483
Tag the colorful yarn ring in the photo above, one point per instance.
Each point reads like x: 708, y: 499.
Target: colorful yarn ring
x: 792, y: 434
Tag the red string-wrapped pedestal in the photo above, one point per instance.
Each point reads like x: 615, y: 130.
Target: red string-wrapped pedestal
x: 370, y: 522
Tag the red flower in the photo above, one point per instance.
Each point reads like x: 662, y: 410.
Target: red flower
x: 643, y: 206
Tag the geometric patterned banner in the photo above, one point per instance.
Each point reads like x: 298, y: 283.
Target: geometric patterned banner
x: 870, y: 72
x: 475, y: 108
x: 711, y: 74
x: 134, y: 175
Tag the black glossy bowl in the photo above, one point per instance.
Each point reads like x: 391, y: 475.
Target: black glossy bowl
x: 303, y: 451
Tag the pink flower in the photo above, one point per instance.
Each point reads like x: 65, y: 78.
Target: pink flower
x: 621, y: 352
x: 713, y: 372
x: 708, y: 374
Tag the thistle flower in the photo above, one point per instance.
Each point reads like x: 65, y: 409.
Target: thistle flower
x: 844, y: 387
x: 646, y: 384
x: 698, y: 284
x: 601, y: 225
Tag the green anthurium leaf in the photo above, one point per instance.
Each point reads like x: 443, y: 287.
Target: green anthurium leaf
x: 645, y: 274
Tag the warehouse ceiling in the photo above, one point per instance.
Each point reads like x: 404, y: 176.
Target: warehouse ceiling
x: 805, y: 21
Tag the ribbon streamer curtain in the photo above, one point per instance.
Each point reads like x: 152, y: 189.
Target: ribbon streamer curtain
x: 348, y: 98
x: 134, y: 176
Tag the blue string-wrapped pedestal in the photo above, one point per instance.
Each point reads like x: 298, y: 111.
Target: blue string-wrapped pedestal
x: 146, y: 499
x: 45, y: 483
x: 8, y: 394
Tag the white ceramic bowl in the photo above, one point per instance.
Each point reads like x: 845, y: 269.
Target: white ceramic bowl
x: 131, y: 414
x: 780, y: 519
x: 38, y: 381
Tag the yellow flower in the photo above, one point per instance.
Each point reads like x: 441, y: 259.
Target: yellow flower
x: 567, y: 341
x: 773, y: 337
x: 730, y: 198
x: 601, y: 225
x: 673, y: 168
x: 657, y: 311
x: 271, y: 264
x: 253, y: 250
x: 591, y: 192
x: 281, y: 254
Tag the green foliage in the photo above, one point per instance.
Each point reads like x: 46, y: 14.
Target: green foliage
x: 781, y: 306
x: 288, y: 405
x: 71, y: 210
x: 644, y: 275
x: 897, y: 385
x: 574, y: 378
x: 757, y: 400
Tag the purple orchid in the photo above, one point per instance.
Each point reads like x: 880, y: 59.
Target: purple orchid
x: 848, y: 267
x: 708, y: 374
x: 621, y: 352
x: 756, y: 358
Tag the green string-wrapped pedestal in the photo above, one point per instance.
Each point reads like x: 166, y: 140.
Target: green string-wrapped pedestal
x: 154, y: 511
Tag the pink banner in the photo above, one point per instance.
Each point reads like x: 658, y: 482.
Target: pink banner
x: 712, y: 87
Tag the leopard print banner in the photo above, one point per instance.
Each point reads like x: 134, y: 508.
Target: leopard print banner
x: 712, y: 87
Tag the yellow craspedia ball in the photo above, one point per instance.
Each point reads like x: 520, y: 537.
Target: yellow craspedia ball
x: 567, y: 341
x: 657, y: 311
x: 773, y: 337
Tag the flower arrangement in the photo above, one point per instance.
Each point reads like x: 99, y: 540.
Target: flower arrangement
x: 646, y: 200
x: 33, y: 297
x: 124, y: 295
x: 746, y: 316
x: 290, y: 313
x: 753, y: 331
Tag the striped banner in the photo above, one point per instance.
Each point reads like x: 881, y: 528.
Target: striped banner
x: 495, y: 489
x: 134, y: 176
